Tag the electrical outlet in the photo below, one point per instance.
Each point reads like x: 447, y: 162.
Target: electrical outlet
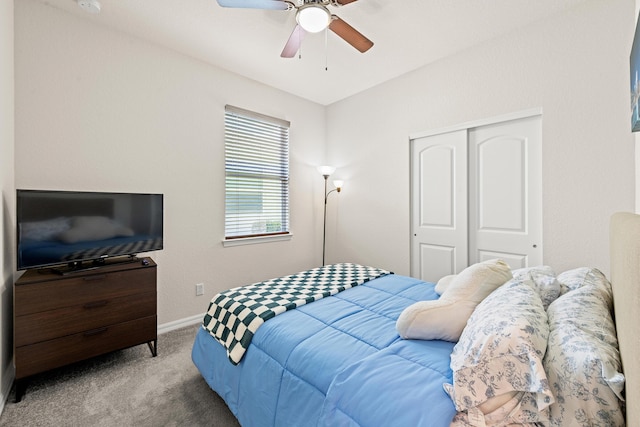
x: 200, y: 289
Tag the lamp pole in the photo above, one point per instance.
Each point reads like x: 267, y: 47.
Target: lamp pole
x: 324, y: 224
x: 326, y: 171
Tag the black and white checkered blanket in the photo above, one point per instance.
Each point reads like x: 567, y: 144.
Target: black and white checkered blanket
x: 235, y: 315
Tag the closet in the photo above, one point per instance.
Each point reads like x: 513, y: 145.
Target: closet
x: 476, y: 194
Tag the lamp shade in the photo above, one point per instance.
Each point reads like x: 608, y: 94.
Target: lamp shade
x: 326, y: 170
x: 338, y: 184
x: 313, y: 18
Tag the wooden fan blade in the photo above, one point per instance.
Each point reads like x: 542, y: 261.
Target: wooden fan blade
x: 294, y: 42
x: 343, y: 2
x: 350, y: 34
x: 256, y: 4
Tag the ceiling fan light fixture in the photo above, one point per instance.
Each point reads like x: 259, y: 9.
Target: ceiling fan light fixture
x: 313, y: 18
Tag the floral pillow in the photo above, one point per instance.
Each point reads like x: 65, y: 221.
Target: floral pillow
x: 544, y: 279
x: 583, y: 276
x: 499, y: 358
x: 582, y: 360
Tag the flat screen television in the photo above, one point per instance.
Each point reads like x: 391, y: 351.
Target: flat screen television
x: 69, y: 228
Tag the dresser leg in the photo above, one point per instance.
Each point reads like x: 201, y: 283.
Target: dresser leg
x: 21, y: 388
x: 153, y: 346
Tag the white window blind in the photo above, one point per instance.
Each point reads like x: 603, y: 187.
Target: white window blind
x: 257, y: 174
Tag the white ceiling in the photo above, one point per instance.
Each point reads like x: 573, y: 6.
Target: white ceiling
x: 407, y: 35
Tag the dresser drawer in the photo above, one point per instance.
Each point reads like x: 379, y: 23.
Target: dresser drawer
x: 55, y: 294
x: 47, y: 325
x: 40, y: 357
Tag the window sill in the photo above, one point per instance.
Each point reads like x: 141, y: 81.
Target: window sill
x: 255, y: 240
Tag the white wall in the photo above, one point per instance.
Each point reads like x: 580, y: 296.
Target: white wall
x: 7, y: 217
x: 574, y: 66
x: 99, y: 110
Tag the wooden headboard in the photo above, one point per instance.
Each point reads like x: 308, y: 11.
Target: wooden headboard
x: 625, y: 280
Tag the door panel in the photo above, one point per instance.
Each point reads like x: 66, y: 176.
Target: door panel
x: 439, y: 205
x: 514, y: 260
x: 437, y: 261
x: 499, y: 184
x: 505, y: 198
x: 437, y: 172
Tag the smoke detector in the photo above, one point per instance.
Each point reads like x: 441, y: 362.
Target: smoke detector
x: 90, y: 6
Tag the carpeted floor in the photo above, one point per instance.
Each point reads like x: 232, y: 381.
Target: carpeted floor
x: 124, y: 388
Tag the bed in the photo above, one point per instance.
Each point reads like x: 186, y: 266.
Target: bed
x: 537, y: 349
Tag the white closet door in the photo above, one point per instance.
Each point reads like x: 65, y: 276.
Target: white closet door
x: 505, y: 203
x: 439, y: 205
x: 476, y: 194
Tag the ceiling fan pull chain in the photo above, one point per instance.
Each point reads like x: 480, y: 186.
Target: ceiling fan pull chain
x: 326, y: 49
x: 299, y: 36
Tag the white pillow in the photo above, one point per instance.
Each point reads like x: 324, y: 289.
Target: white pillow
x: 444, y: 283
x: 445, y: 318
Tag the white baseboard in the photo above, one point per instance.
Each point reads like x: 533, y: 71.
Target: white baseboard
x: 180, y: 323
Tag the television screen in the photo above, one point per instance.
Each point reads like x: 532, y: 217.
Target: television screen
x: 69, y: 227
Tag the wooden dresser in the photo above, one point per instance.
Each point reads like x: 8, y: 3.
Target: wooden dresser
x: 61, y: 319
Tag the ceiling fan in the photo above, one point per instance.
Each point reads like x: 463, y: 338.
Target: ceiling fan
x: 312, y: 16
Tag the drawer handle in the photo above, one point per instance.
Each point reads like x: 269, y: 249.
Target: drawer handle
x: 95, y: 331
x: 95, y: 304
x: 95, y: 277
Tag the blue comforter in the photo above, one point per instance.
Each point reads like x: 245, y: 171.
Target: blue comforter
x: 336, y: 362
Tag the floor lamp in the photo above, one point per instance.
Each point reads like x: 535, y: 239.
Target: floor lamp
x: 326, y: 171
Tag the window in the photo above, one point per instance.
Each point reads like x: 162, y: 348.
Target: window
x: 257, y: 174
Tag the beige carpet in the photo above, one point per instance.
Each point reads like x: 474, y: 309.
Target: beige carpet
x: 124, y: 388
